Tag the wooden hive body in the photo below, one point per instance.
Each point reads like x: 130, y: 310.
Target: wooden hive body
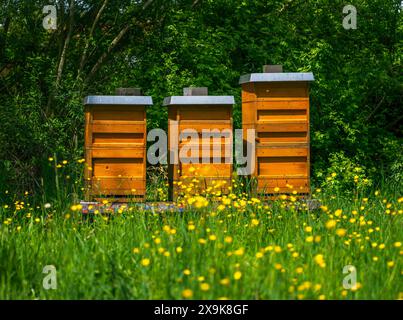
x: 199, y: 113
x: 276, y: 105
x: 115, y: 147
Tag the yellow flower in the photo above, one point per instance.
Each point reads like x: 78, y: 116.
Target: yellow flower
x: 237, y: 275
x: 145, y: 262
x: 338, y: 212
x: 322, y: 297
x: 317, y: 287
x: 136, y: 250
x: 212, y: 237
x: 191, y: 227
x: 186, y: 272
x: 179, y: 249
x: 324, y: 208
x: 309, y: 239
x: 277, y: 249
x: 356, y: 287
x: 308, y: 229
x: 331, y: 224
x: 397, y: 244
x: 187, y: 293
x: 228, y: 239
x: 278, y: 266
x: 157, y: 240
x: 204, y: 287
x: 319, y: 260
x: 225, y: 281
x: 299, y: 270
x: 239, y: 252
x: 259, y: 255
x: 390, y: 264
x: 255, y: 222
x: 341, y: 232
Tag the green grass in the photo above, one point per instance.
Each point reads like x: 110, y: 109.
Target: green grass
x: 103, y: 259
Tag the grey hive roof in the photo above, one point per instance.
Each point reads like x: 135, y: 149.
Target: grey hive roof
x: 276, y: 77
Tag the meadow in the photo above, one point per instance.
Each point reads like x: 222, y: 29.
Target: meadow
x: 212, y: 246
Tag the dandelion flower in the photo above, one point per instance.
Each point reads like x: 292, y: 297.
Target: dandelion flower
x: 187, y: 293
x: 145, y: 262
x: 204, y: 287
x: 331, y: 224
x: 237, y: 275
x: 341, y: 232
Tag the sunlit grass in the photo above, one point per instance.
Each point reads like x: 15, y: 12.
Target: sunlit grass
x: 235, y: 247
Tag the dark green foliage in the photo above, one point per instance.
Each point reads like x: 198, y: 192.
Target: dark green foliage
x: 166, y: 45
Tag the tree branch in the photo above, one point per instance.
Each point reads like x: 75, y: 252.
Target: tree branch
x: 66, y: 45
x: 87, y: 43
x: 113, y: 44
x: 105, y: 55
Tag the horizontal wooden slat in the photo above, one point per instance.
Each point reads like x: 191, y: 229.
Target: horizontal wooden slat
x: 206, y: 149
x: 268, y: 166
x: 281, y: 152
x: 284, y: 184
x: 206, y: 169
x: 116, y: 113
x: 282, y: 127
x: 204, y: 125
x: 281, y: 89
x: 282, y: 137
x: 129, y: 167
x: 118, y: 128
x: 282, y: 104
x: 117, y: 186
x: 117, y: 138
x: 204, y: 113
x: 118, y: 153
x: 282, y: 115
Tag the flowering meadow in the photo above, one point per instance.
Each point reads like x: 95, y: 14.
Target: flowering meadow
x: 208, y: 246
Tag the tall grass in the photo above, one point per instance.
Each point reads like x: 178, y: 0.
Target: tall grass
x: 211, y: 246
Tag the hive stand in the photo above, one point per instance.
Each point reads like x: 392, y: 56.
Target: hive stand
x: 276, y: 105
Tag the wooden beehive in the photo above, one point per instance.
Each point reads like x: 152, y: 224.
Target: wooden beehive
x: 276, y: 105
x: 115, y: 146
x: 197, y: 111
